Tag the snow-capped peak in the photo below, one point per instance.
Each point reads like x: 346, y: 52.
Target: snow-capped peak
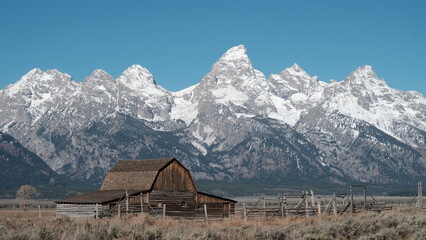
x: 45, y: 80
x: 32, y: 72
x: 296, y: 67
x: 100, y: 73
x: 38, y: 75
x: 295, y: 70
x: 235, y: 53
x: 99, y: 80
x: 136, y: 77
x: 233, y: 67
x: 364, y: 75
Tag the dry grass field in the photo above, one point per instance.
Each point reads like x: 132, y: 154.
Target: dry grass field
x: 397, y: 224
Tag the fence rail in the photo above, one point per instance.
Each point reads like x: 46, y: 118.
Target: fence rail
x: 305, y: 204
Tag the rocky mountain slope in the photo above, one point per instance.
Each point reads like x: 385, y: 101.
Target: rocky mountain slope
x: 236, y: 124
x: 20, y: 166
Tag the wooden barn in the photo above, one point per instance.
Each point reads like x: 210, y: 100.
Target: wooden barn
x: 161, y: 187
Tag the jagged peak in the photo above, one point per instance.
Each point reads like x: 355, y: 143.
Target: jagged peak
x: 232, y: 67
x: 296, y: 67
x: 235, y: 53
x: 99, y: 79
x: 38, y: 75
x: 33, y: 71
x: 101, y: 74
x: 235, y: 57
x: 50, y: 81
x: 98, y: 72
x: 137, y: 77
x: 365, y: 70
x: 136, y: 67
x: 295, y: 70
x: 138, y: 72
x: 362, y: 75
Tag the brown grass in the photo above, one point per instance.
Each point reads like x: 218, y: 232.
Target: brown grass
x: 31, y: 213
x: 400, y: 224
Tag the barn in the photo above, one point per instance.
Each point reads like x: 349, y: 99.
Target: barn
x: 160, y: 187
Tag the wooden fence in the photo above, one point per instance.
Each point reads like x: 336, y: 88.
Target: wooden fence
x: 304, y: 204
x: 136, y: 205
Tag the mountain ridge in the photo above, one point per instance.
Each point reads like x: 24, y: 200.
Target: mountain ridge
x: 231, y: 111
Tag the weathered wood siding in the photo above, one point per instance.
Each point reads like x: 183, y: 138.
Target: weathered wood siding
x: 174, y: 177
x: 171, y: 197
x: 78, y: 210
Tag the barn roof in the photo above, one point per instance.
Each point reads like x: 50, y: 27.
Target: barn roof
x: 214, y: 196
x: 102, y: 196
x: 135, y: 174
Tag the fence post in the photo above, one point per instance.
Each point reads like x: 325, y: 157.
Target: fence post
x: 141, y: 202
x: 334, y: 205
x: 119, y: 210
x: 244, y: 212
x: 285, y: 204
x: 306, y: 204
x: 127, y: 202
x: 97, y: 211
x: 205, y: 212
x: 39, y: 211
x: 164, y: 210
x: 352, y: 200
x: 420, y: 195
x: 264, y: 205
x: 319, y: 207
x: 365, y: 198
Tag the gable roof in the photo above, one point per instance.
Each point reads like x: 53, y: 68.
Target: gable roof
x: 135, y: 174
x: 214, y: 196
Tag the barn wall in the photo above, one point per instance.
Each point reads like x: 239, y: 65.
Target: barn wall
x: 78, y: 210
x: 174, y: 177
x: 171, y: 197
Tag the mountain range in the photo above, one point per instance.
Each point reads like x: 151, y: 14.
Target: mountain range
x: 234, y: 125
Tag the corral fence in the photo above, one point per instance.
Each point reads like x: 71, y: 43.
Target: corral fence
x: 308, y: 204
x: 304, y: 204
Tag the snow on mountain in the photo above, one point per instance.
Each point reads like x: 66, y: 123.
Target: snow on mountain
x: 184, y: 108
x: 32, y: 98
x: 363, y: 96
x: 294, y: 92
x: 235, y: 123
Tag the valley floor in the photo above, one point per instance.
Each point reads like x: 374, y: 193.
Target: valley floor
x: 404, y: 223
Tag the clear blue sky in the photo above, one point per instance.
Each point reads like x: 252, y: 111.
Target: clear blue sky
x: 178, y: 41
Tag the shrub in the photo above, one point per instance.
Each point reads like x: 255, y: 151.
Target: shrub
x: 420, y: 235
x: 155, y: 234
x: 45, y: 234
